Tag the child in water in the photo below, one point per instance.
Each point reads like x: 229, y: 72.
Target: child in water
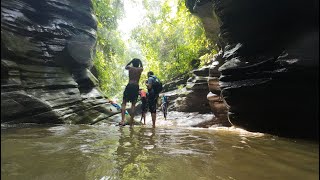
x: 143, y: 97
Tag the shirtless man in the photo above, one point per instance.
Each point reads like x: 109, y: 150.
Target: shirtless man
x: 131, y: 91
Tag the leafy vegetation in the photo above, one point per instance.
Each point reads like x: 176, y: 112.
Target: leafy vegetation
x: 170, y: 41
x: 110, y: 51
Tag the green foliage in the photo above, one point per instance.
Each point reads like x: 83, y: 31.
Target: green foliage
x: 108, y: 12
x: 170, y: 39
x: 111, y: 50
x: 206, y: 58
x: 180, y: 87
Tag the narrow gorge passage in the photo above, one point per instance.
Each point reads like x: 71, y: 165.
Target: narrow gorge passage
x: 241, y: 77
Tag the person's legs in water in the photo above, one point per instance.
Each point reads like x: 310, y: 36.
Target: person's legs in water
x: 133, y: 90
x: 130, y: 94
x: 123, y: 111
x: 153, y: 107
x: 143, y: 116
x: 133, y: 105
x: 164, y: 109
x: 143, y: 110
x: 123, y: 105
x: 153, y: 116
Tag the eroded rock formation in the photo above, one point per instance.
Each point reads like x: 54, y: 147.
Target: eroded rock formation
x: 211, y: 25
x: 190, y: 95
x: 269, y: 78
x: 216, y: 101
x: 46, y: 50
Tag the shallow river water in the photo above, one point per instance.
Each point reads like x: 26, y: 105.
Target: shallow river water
x: 110, y: 152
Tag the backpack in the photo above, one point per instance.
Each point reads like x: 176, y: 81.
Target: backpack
x: 157, y: 85
x: 164, y: 99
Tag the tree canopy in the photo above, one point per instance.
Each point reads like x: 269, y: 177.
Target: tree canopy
x: 110, y: 51
x: 169, y: 41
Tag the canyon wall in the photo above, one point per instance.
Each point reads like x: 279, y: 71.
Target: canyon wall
x: 270, y: 62
x: 46, y: 53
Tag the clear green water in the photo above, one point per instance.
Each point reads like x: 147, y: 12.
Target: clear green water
x: 107, y: 152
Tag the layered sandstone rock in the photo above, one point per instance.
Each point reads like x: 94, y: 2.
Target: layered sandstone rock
x: 176, y: 83
x: 46, y: 50
x: 269, y: 78
x: 216, y: 101
x: 211, y: 23
x: 191, y: 97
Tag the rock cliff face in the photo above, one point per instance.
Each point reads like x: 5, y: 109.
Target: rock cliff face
x: 46, y: 50
x: 216, y: 101
x: 211, y: 25
x: 269, y: 76
x: 191, y: 96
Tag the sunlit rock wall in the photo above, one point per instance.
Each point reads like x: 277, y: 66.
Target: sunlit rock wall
x: 204, y: 10
x: 46, y: 51
x: 269, y: 78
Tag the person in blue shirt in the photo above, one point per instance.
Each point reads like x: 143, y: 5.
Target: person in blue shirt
x: 164, y: 105
x: 114, y: 104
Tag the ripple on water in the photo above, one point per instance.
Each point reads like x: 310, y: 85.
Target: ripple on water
x: 236, y: 130
x: 105, y: 152
x: 148, y: 147
x: 182, y: 152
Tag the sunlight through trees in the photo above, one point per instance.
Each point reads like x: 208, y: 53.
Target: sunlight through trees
x: 168, y: 39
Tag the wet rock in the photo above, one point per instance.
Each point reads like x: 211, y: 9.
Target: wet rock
x: 217, y: 104
x: 182, y: 119
x: 269, y: 51
x: 175, y: 83
x: 192, y: 97
x: 205, y: 10
x: 46, y: 50
x: 219, y: 109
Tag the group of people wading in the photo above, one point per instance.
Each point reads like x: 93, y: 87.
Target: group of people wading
x: 132, y: 91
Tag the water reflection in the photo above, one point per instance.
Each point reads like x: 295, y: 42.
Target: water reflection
x: 106, y: 152
x: 132, y: 157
